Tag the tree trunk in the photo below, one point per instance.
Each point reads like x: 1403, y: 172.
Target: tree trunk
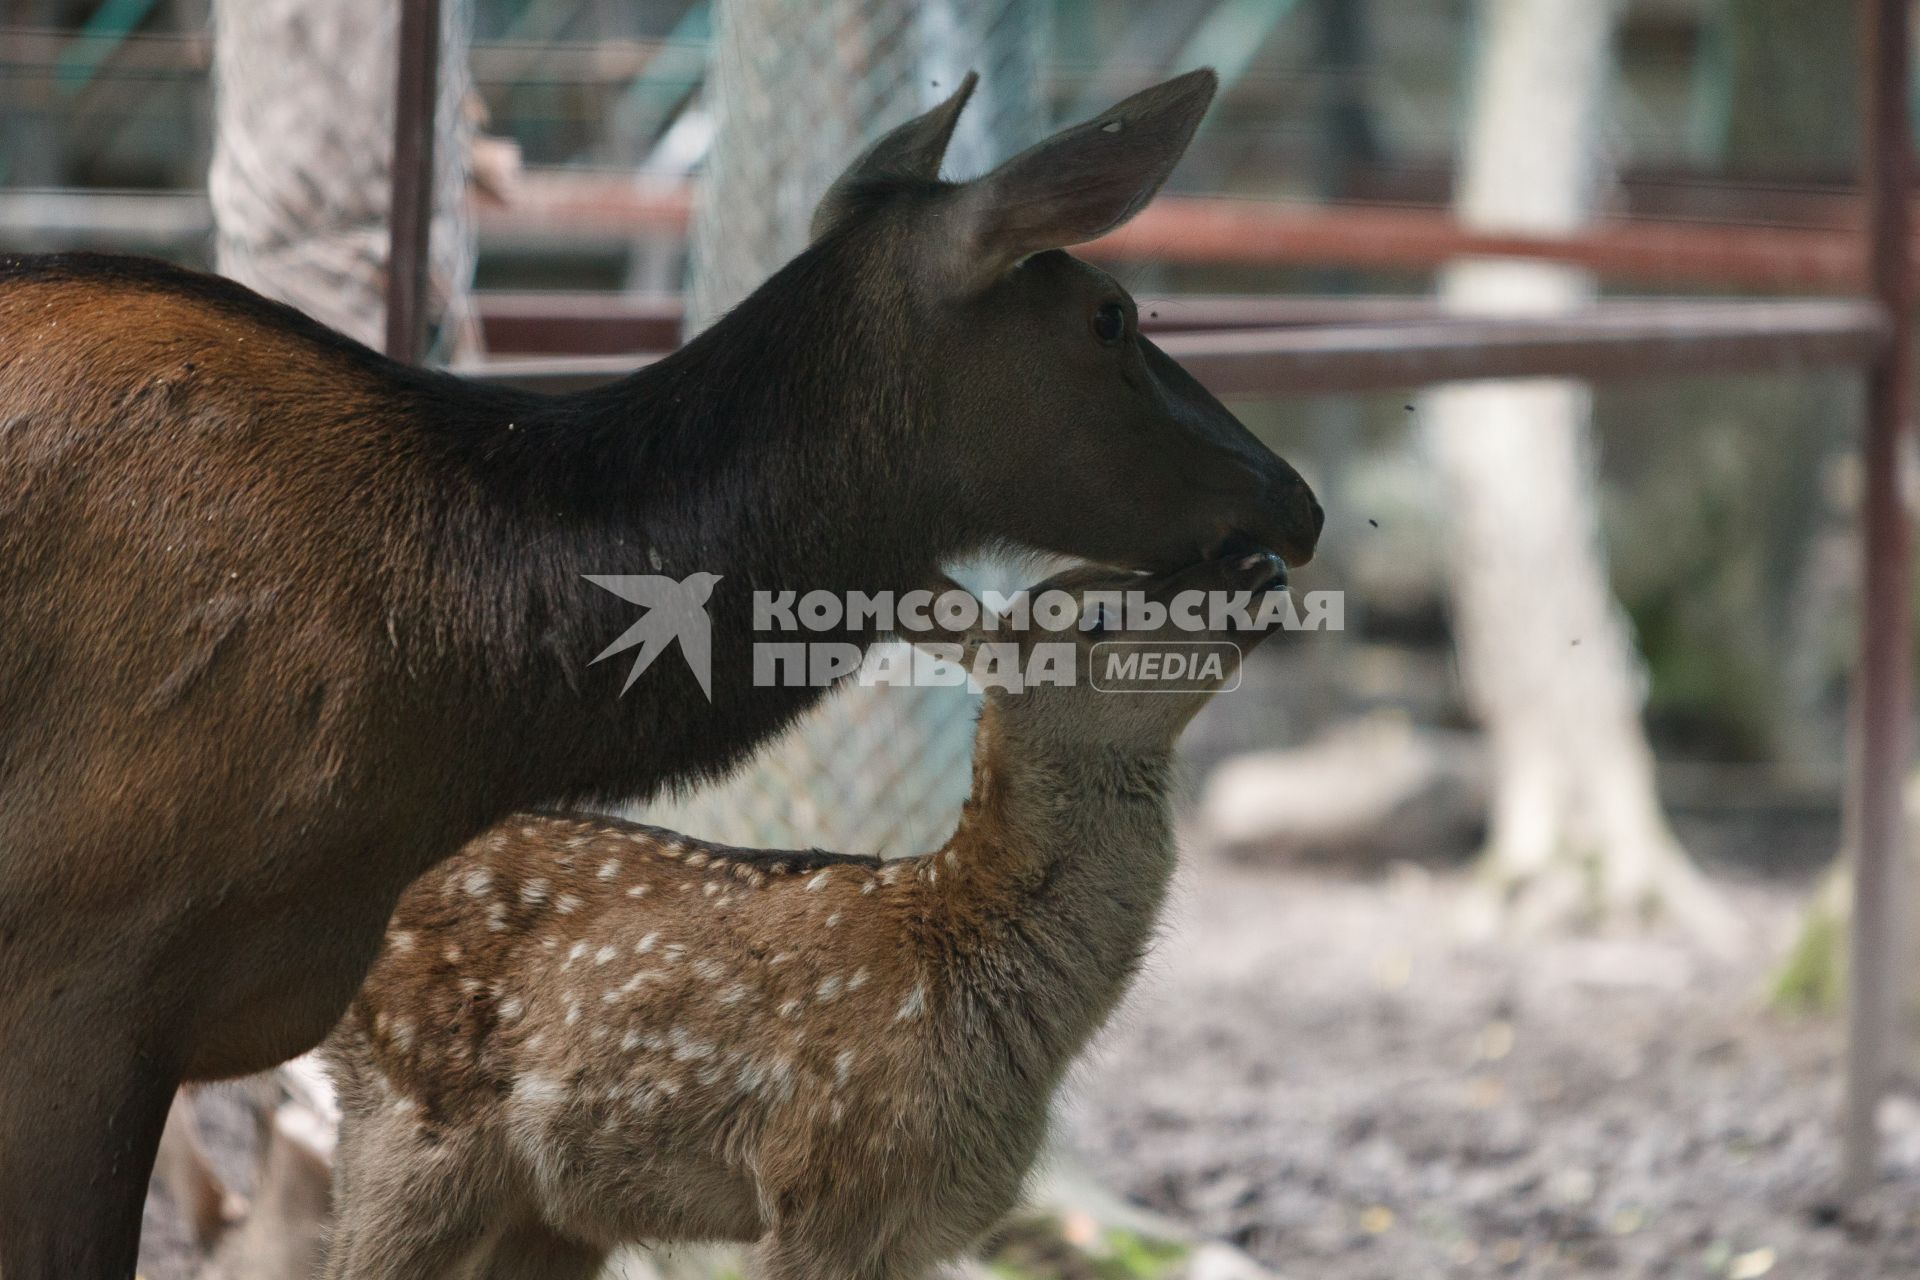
x: 1576, y: 826
x: 303, y: 149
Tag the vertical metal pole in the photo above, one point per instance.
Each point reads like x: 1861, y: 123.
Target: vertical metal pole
x: 410, y: 218
x: 1884, y: 679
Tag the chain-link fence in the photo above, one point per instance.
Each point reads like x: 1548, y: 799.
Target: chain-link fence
x: 799, y: 87
x: 302, y: 165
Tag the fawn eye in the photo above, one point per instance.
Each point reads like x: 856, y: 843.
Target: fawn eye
x: 1110, y: 322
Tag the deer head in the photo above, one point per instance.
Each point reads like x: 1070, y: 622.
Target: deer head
x: 1061, y: 426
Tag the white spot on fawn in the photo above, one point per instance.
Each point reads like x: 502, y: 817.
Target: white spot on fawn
x: 830, y: 987
x: 566, y: 904
x: 573, y: 1012
x: 478, y: 882
x: 610, y: 868
x: 843, y: 1066
x: 603, y: 955
x: 638, y: 891
x: 833, y: 920
x: 537, y: 1091
x: 400, y: 941
x: 820, y: 879
x: 913, y: 1006
x: 858, y: 980
x: 645, y: 944
x: 511, y: 1008
x: 533, y: 892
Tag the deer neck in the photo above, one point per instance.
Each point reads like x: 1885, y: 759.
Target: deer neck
x: 1064, y: 852
x: 774, y: 451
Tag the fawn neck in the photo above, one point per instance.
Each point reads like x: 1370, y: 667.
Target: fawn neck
x: 1067, y: 845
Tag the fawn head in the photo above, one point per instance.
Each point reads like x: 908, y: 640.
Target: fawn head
x: 1119, y: 659
x: 1058, y: 425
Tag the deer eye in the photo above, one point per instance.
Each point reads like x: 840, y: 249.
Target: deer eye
x: 1110, y: 322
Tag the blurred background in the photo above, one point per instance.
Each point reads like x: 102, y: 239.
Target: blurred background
x: 1511, y: 934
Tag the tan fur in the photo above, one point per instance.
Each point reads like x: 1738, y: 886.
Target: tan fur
x: 582, y: 1033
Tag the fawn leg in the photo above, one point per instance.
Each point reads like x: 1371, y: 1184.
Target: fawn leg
x: 532, y: 1252
x: 81, y: 1112
x: 403, y: 1209
x: 788, y: 1257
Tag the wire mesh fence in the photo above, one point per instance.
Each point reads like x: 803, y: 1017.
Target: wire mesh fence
x: 798, y: 87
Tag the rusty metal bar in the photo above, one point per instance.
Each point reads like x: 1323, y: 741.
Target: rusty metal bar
x: 410, y: 215
x: 595, y: 324
x: 1882, y: 685
x: 1219, y: 230
x: 1209, y: 229
x: 1609, y: 340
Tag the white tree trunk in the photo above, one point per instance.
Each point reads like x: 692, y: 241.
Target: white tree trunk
x: 303, y: 148
x: 1576, y: 824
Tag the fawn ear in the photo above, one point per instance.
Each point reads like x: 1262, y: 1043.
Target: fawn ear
x: 1085, y: 180
x: 912, y: 151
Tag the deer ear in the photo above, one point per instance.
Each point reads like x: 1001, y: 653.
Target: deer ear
x: 914, y: 150
x: 1088, y: 179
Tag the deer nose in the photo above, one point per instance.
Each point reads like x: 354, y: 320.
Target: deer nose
x: 1305, y: 519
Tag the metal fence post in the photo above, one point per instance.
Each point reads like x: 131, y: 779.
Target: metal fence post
x: 1884, y: 679
x: 410, y: 218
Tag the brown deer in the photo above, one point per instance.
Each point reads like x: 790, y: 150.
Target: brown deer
x: 287, y: 623
x: 582, y: 1033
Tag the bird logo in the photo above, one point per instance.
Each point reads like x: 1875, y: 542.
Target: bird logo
x: 675, y: 611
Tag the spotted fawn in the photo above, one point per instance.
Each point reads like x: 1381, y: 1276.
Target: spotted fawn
x: 582, y: 1033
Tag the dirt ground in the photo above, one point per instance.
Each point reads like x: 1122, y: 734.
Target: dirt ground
x: 1333, y: 1074
x: 1329, y: 1073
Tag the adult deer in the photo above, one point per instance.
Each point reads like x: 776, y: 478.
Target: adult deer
x: 287, y: 622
